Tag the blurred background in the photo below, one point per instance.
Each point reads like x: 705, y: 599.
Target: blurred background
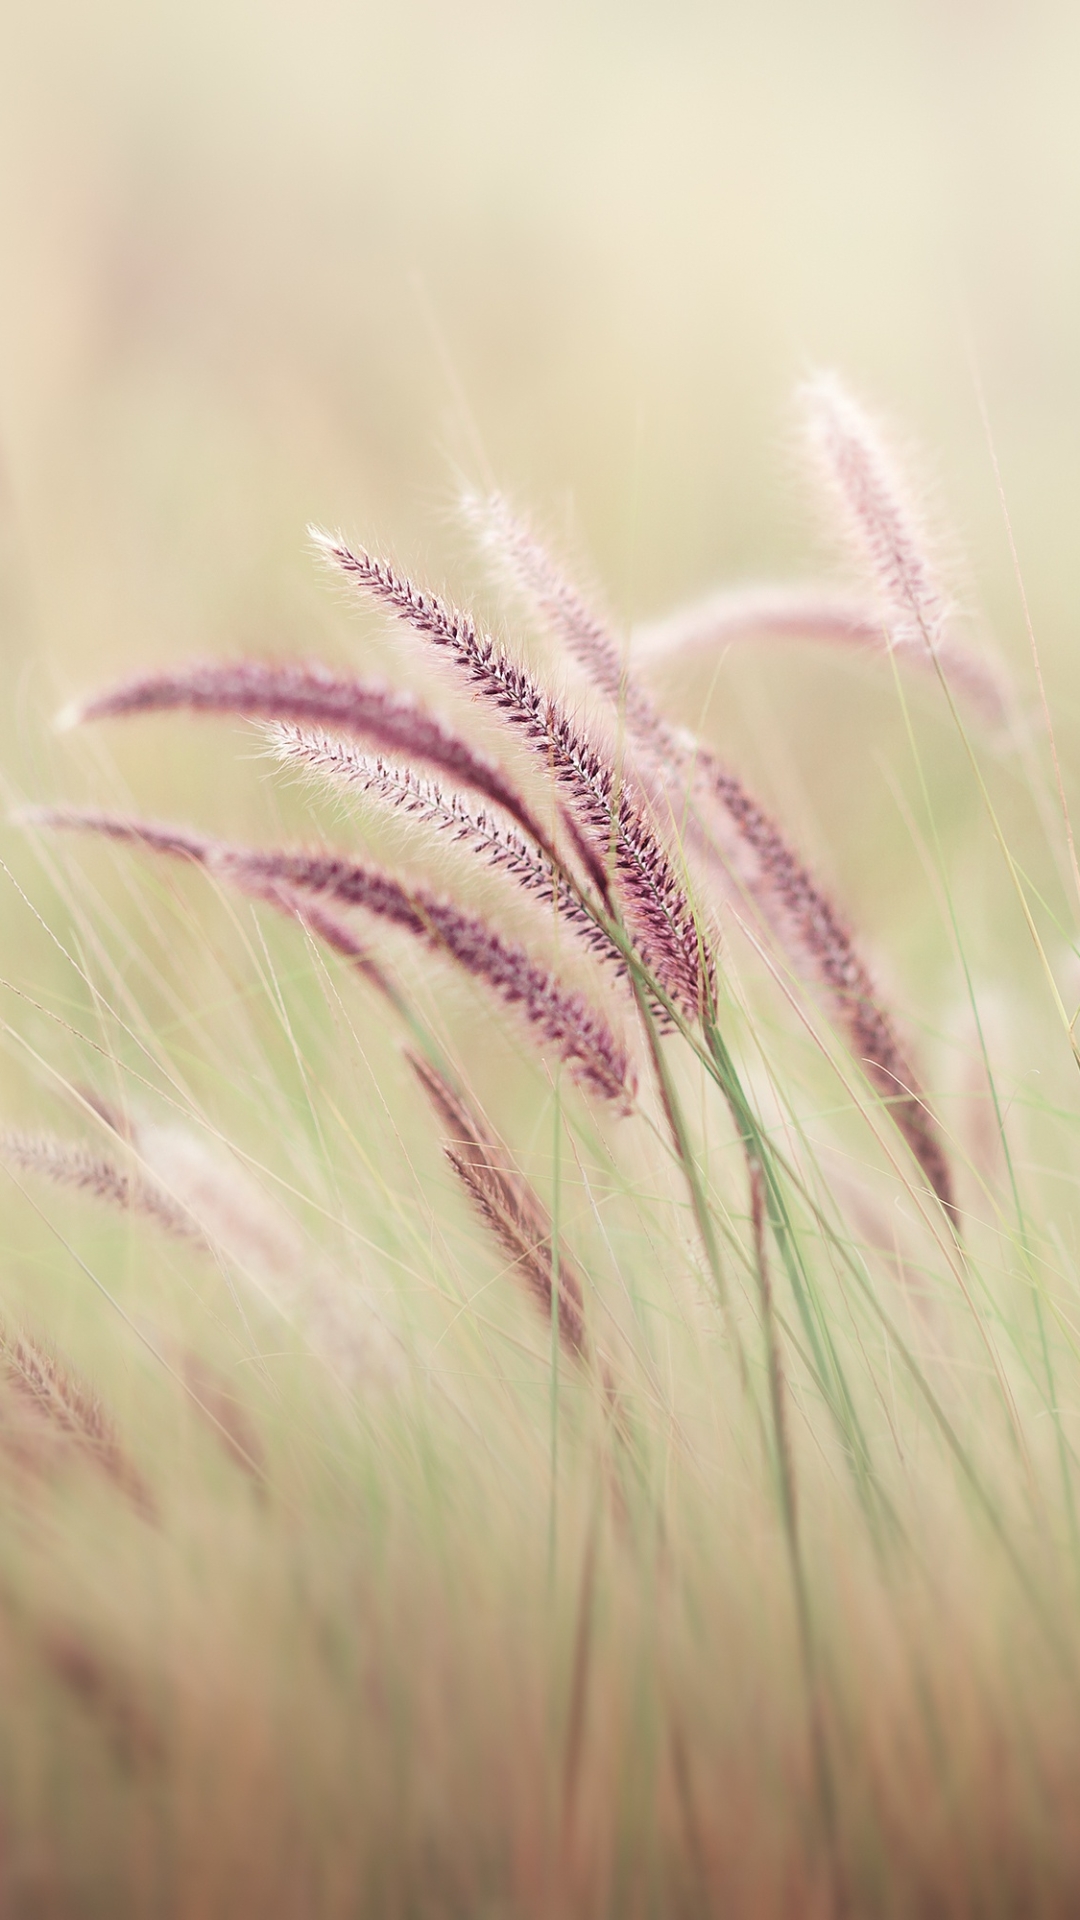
x: 267, y: 264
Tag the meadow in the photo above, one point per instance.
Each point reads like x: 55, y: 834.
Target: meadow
x: 538, y: 1338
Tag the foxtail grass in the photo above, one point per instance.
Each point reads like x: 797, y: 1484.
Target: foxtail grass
x: 604, y: 1520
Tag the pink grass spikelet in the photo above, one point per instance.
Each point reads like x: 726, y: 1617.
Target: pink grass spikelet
x: 608, y: 814
x: 308, y: 694
x: 562, y: 1017
x: 561, y: 606
x: 881, y: 522
x: 511, y: 1207
x: 810, y: 927
x: 794, y: 905
x: 484, y: 833
x: 819, y: 615
x: 557, y: 1015
x: 337, y: 1320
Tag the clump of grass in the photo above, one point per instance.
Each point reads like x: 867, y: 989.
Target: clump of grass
x: 691, y: 1564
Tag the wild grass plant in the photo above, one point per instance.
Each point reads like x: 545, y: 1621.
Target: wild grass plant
x: 568, y: 1404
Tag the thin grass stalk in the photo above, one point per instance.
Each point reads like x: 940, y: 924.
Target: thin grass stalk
x: 1065, y: 1449
x: 687, y: 1162
x: 225, y: 1417
x: 827, y: 1365
x: 579, y: 1687
x: 714, y: 1056
x: 789, y: 1506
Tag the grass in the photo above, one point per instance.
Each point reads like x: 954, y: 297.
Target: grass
x: 548, y: 1416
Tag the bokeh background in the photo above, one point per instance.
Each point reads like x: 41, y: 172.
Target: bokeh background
x: 266, y: 264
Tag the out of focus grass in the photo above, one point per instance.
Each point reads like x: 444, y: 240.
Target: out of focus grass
x: 267, y: 265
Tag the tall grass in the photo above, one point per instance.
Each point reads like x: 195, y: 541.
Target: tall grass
x: 579, y: 1425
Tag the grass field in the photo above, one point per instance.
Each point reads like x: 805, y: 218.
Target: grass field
x: 571, y: 1409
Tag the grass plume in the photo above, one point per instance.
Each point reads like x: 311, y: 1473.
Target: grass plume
x: 611, y: 818
x: 557, y: 1015
x: 309, y: 695
x: 798, y: 1637
x: 65, y: 1403
x: 68, y: 1163
x: 403, y: 789
x: 511, y: 1208
x: 799, y: 912
x: 823, y: 616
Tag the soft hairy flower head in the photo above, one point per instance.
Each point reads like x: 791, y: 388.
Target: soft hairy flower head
x: 877, y: 513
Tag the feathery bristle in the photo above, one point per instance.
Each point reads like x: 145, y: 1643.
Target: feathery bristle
x: 579, y: 1034
x: 555, y: 599
x: 511, y: 1207
x: 878, y: 516
x: 451, y: 813
x: 610, y: 816
x: 308, y: 694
